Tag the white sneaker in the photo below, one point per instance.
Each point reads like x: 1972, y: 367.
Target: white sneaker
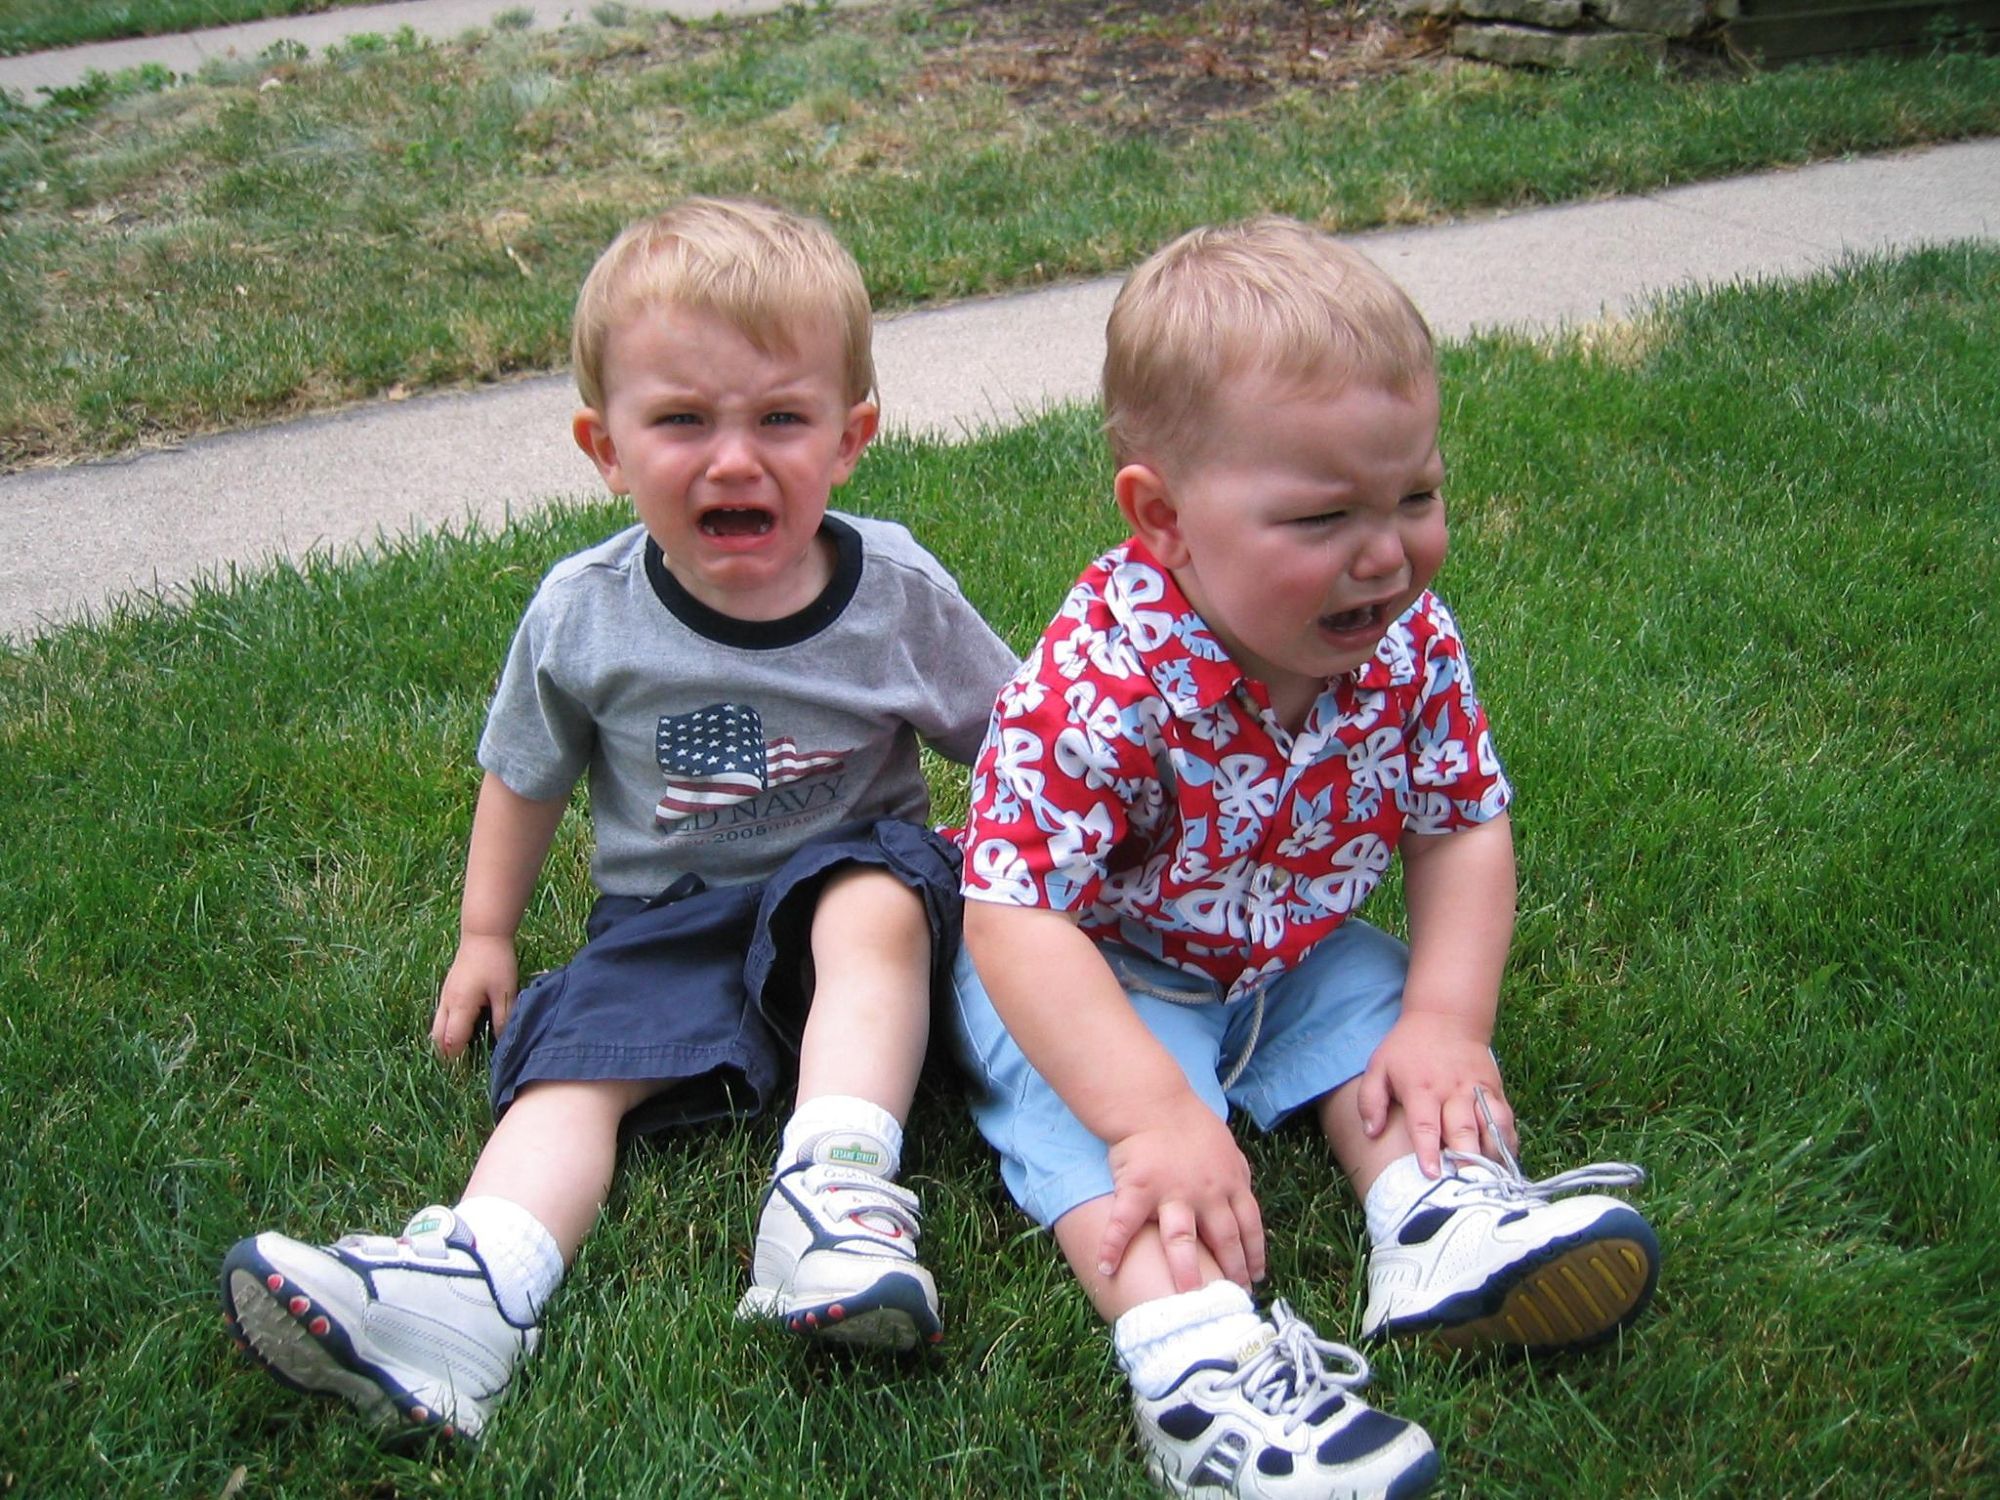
x: 1485, y: 1257
x: 837, y: 1258
x: 405, y: 1328
x: 1276, y: 1423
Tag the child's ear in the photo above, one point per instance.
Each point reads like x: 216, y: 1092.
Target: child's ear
x: 855, y: 435
x: 1149, y: 509
x: 594, y: 438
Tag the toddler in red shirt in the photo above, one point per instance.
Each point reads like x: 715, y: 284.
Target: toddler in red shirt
x: 1197, y: 776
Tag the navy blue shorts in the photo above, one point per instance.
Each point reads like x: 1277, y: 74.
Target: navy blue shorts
x: 705, y: 986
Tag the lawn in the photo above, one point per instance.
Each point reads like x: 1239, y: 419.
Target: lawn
x: 39, y: 25
x: 285, y: 235
x: 1727, y: 573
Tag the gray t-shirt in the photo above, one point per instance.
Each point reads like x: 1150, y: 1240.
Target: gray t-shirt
x: 718, y: 746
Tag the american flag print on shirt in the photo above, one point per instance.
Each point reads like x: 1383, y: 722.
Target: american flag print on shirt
x: 716, y: 757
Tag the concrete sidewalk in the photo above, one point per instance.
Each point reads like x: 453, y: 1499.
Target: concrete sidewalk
x: 72, y: 538
x: 440, y: 20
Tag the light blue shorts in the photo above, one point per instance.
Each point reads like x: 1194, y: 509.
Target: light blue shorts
x: 1321, y: 1022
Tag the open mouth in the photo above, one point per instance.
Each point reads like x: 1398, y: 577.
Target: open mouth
x: 735, y: 521
x: 1348, y: 621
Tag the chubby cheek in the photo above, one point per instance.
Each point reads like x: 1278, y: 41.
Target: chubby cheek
x: 1290, y: 576
x: 1427, y: 551
x: 1423, y: 540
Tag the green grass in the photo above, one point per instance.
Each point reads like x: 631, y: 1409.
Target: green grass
x: 406, y: 215
x: 1728, y: 578
x: 39, y: 25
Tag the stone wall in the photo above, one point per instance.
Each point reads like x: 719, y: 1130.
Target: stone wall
x: 1570, y: 33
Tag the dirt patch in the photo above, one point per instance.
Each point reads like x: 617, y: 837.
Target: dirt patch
x: 1168, y: 64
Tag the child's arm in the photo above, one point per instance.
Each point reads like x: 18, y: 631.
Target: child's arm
x: 1459, y: 891
x: 1172, y: 1159
x: 510, y: 838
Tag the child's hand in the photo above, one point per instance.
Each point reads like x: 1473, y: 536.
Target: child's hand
x: 1430, y: 1064
x: 483, y: 976
x: 1186, y: 1171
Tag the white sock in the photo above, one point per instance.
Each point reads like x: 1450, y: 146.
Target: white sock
x: 521, y: 1256
x: 842, y: 1129
x: 1392, y: 1196
x: 1157, y: 1340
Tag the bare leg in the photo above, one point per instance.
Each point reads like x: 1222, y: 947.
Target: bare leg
x: 836, y: 1245
x: 1361, y: 1157
x: 1142, y: 1276
x: 553, y: 1152
x: 869, y: 1022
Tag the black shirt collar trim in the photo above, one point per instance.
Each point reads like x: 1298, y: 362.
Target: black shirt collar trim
x: 764, y: 635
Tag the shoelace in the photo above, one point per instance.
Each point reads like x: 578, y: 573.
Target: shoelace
x: 1504, y: 1179
x: 1289, y: 1377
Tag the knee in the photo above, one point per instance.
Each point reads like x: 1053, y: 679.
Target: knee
x: 864, y: 907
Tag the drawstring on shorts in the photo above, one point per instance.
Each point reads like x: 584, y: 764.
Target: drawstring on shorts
x: 1203, y: 997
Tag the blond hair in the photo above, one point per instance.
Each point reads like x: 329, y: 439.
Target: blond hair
x: 1271, y: 297
x: 766, y: 272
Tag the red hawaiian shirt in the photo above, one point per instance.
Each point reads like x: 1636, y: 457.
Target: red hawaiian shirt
x: 1133, y: 775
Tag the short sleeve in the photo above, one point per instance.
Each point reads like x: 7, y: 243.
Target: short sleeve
x: 1456, y: 779
x: 538, y: 737
x: 1047, y: 802
x: 964, y: 663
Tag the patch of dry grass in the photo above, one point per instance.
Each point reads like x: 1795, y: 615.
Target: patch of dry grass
x: 284, y: 235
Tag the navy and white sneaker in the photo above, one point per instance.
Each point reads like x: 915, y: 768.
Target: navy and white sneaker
x: 405, y: 1328
x: 1486, y: 1257
x: 1276, y: 1423
x: 836, y: 1259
